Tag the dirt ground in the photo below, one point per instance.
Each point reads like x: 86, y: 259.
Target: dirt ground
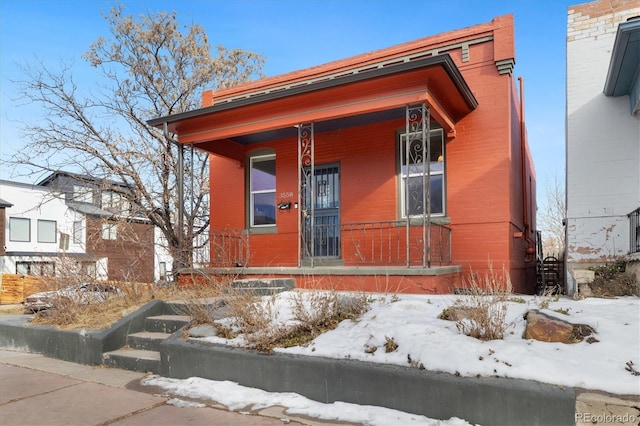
x: 618, y: 284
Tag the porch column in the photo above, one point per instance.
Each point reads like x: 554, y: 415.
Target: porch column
x: 417, y: 129
x: 306, y: 196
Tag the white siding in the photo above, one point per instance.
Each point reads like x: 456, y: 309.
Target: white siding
x: 603, y: 146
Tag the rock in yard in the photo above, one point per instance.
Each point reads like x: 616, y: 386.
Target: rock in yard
x: 548, y: 329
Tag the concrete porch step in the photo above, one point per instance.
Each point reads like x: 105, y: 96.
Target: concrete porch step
x: 133, y: 359
x: 147, y: 340
x: 166, y: 323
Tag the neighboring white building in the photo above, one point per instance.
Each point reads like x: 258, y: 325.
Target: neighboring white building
x: 603, y: 134
x: 42, y: 234
x: 45, y: 233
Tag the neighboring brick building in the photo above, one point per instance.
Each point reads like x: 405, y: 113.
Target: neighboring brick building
x: 403, y: 169
x: 112, y: 231
x: 603, y: 134
x: 71, y: 225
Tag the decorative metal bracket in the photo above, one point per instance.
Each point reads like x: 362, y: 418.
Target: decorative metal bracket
x: 306, y: 162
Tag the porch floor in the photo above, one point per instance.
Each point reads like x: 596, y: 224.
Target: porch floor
x: 387, y: 279
x: 338, y: 270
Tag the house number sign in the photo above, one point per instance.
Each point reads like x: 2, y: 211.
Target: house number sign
x: 286, y: 195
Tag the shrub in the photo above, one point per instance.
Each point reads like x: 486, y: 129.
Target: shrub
x: 314, y: 312
x: 485, y: 306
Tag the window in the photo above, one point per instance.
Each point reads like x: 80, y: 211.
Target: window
x: 114, y: 202
x: 43, y: 269
x: 162, y: 266
x: 19, y: 229
x: 88, y: 269
x: 262, y: 183
x: 64, y: 241
x: 411, y: 168
x: 82, y: 194
x: 109, y: 231
x: 46, y: 231
x: 77, y: 232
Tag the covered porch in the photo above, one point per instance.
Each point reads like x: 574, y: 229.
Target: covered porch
x: 297, y: 212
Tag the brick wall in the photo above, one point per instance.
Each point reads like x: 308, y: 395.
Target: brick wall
x: 484, y: 184
x: 130, y: 255
x: 593, y: 19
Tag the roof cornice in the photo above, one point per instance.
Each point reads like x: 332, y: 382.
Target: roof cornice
x: 394, y: 67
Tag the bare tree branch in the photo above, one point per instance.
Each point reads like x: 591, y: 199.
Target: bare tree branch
x: 149, y: 68
x: 552, y: 219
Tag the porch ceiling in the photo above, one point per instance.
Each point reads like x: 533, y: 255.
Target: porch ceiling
x: 323, y: 126
x: 378, y: 94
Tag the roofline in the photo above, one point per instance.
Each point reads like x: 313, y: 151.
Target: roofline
x: 443, y: 60
x: 79, y: 177
x: 25, y: 185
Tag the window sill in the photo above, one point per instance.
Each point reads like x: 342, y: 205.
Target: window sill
x: 264, y: 230
x: 416, y: 221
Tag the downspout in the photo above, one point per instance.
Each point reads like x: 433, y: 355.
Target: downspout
x: 530, y: 250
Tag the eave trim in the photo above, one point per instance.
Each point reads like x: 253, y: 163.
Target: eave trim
x: 443, y: 60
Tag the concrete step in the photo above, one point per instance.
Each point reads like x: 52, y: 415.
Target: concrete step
x: 166, y: 323
x: 133, y: 360
x: 264, y: 286
x: 146, y: 340
x: 215, y: 307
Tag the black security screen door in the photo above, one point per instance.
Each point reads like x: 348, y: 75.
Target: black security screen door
x: 322, y: 220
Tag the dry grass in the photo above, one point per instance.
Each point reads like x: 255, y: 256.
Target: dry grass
x: 70, y: 314
x: 484, y: 306
x: 314, y: 312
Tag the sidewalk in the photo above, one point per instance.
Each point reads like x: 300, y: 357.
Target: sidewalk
x: 36, y: 390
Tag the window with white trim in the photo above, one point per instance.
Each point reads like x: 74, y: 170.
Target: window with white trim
x: 411, y: 167
x: 262, y: 187
x: 82, y: 194
x: 114, y: 202
x: 109, y: 231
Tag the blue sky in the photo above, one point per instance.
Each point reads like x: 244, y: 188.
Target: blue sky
x: 297, y: 34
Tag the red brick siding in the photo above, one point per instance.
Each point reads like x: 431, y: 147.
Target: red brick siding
x: 130, y: 256
x: 483, y: 163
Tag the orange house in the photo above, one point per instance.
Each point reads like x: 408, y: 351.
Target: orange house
x: 404, y: 169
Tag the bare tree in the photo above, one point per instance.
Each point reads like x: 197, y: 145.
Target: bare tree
x: 151, y: 67
x: 552, y: 219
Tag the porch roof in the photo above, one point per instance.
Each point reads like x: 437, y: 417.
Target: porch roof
x: 623, y: 77
x: 379, y: 92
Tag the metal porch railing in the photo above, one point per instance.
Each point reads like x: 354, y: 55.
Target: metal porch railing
x: 355, y: 244
x: 229, y: 248
x: 385, y: 243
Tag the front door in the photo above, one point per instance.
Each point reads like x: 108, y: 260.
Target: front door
x: 322, y: 214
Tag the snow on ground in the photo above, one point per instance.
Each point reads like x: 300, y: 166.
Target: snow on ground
x: 412, y: 322
x: 238, y: 398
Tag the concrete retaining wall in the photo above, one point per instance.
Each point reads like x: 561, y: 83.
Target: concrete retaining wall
x: 486, y: 401
x: 79, y: 346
